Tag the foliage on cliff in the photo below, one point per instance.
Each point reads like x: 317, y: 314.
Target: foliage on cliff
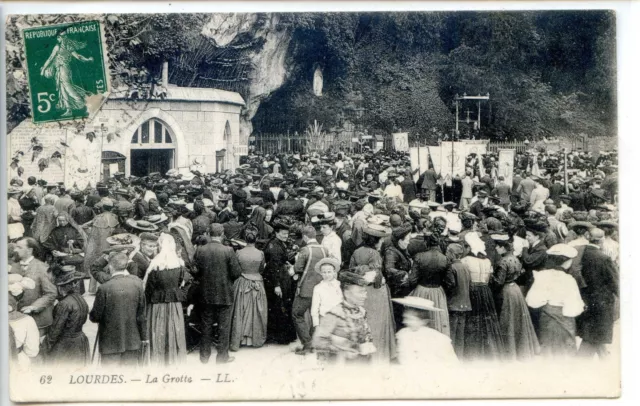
x: 548, y: 73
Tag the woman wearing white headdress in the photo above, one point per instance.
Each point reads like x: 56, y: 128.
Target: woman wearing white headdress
x: 163, y: 283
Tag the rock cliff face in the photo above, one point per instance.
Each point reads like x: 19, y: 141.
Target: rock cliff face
x: 269, y: 63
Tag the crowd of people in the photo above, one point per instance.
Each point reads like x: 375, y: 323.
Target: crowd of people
x: 357, y: 258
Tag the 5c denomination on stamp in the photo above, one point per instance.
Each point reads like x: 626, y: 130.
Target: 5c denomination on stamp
x: 67, y: 73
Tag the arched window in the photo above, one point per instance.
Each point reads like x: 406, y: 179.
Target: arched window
x: 153, y: 132
x: 227, y: 132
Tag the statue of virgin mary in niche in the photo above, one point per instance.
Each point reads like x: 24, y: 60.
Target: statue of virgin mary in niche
x: 317, y: 81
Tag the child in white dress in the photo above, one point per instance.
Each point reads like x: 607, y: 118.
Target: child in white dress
x: 327, y: 294
x: 419, y: 345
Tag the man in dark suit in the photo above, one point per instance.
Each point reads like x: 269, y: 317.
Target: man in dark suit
x: 37, y: 302
x: 306, y: 260
x: 503, y: 191
x: 595, y: 325
x: 430, y: 183
x: 216, y: 267
x: 119, y: 310
x: 516, y: 180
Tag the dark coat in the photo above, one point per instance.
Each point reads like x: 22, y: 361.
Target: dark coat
x: 430, y: 269
x: 119, y: 309
x: 408, y: 189
x: 216, y: 267
x: 290, y: 207
x: 430, y: 180
x: 503, y: 191
x: 101, y: 274
x: 276, y: 257
x: 66, y: 343
x: 458, y: 297
x: 533, y: 259
x: 396, y: 266
x: 555, y: 190
x: 595, y: 325
x: 142, y: 263
x: 233, y: 229
x: 140, y: 208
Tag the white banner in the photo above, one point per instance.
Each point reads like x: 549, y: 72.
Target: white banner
x: 436, y: 158
x: 401, y: 141
x: 423, y: 158
x: 475, y: 146
x: 505, y: 164
x: 83, y: 160
x: 452, y: 158
x: 415, y: 162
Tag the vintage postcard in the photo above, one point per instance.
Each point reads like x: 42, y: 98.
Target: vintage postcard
x: 258, y: 205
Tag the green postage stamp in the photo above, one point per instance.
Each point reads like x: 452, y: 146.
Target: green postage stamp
x: 67, y: 72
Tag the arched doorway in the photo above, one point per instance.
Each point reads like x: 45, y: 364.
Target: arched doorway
x: 152, y: 149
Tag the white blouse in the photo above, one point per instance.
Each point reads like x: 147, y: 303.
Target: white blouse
x: 27, y: 340
x: 480, y: 269
x: 326, y: 296
x: 555, y: 288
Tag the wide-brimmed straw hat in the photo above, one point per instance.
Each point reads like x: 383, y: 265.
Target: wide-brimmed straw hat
x: 562, y: 250
x: 142, y: 225
x: 417, y: 303
x: 377, y: 230
x: 607, y: 223
x: 157, y: 218
x: 124, y: 239
x: 331, y: 261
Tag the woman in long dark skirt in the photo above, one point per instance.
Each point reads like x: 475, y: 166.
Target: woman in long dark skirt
x: 163, y: 284
x: 482, y: 336
x: 433, y: 276
x: 249, y: 324
x: 65, y: 343
x: 518, y: 336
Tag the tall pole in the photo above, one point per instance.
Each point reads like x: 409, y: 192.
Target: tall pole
x: 478, y: 115
x: 566, y: 175
x: 456, y: 116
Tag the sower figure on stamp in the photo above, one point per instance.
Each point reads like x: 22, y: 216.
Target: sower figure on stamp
x: 119, y: 310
